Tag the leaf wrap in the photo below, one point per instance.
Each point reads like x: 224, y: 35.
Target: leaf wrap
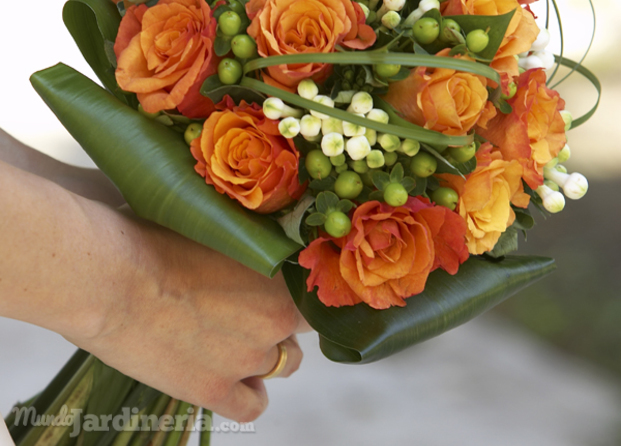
x: 154, y: 169
x: 360, y: 334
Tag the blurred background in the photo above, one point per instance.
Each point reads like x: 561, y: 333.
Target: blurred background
x: 544, y: 368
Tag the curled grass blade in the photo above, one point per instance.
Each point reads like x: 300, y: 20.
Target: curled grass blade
x: 374, y: 58
x: 412, y: 131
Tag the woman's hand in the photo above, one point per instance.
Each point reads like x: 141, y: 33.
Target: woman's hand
x: 199, y: 326
x: 156, y: 306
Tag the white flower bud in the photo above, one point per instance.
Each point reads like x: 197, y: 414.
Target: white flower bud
x: 410, y: 147
x: 413, y: 17
x: 567, y: 118
x: 331, y: 125
x: 308, y: 89
x: 332, y: 144
x: 289, y: 127
x: 553, y: 201
x: 371, y: 136
x: 323, y: 100
x: 362, y: 102
x: 365, y: 9
x: 344, y: 96
x: 564, y: 154
x: 375, y: 159
x: 274, y: 108
x: 350, y: 129
x: 574, y: 185
x: 552, y: 185
x: 546, y: 57
x: 358, y: 147
x: 378, y: 115
x: 315, y: 138
x: 391, y: 19
x: 390, y: 5
x: 530, y: 62
x: 310, y: 126
x: 389, y: 143
x: 542, y: 41
x: 428, y: 5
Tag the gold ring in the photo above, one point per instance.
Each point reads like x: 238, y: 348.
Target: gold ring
x: 280, y: 364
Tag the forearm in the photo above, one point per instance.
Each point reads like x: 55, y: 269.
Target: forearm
x: 89, y: 183
x: 61, y: 254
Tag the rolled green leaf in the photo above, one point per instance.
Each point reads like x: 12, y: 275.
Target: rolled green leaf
x: 360, y: 334
x: 154, y: 170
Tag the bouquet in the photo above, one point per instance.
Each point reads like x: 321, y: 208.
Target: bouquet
x: 384, y: 154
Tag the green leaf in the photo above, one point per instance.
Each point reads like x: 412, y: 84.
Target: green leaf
x: 497, y: 28
x: 329, y: 201
x: 345, y: 206
x: 237, y: 93
x: 291, y: 222
x: 396, y: 174
x: 93, y: 24
x: 153, y: 168
x: 222, y: 45
x: 210, y: 84
x: 323, y: 184
x: 54, y: 396
x: 508, y: 242
x: 408, y: 183
x: 523, y: 219
x: 316, y: 219
x: 467, y: 167
x: 403, y: 73
x: 361, y: 334
x: 420, y: 186
x: 110, y: 388
x: 380, y: 179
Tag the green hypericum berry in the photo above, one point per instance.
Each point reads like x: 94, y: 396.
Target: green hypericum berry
x: 340, y: 169
x: 193, y: 131
x: 243, y: 46
x: 317, y: 164
x: 449, y: 28
x: 395, y: 194
x: 229, y: 71
x: 229, y: 23
x: 512, y: 91
x: 337, y: 224
x: 426, y: 30
x: 463, y: 153
x: 390, y: 158
x: 445, y: 196
x: 360, y: 166
x: 477, y: 40
x: 423, y: 165
x: 375, y: 159
x: 238, y: 7
x: 348, y: 185
x: 386, y: 69
x: 338, y: 160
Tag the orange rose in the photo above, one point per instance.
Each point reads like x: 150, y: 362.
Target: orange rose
x: 520, y: 35
x: 164, y: 54
x: 440, y: 99
x: 485, y: 198
x: 388, y: 254
x: 534, y: 132
x: 243, y: 155
x: 283, y: 27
